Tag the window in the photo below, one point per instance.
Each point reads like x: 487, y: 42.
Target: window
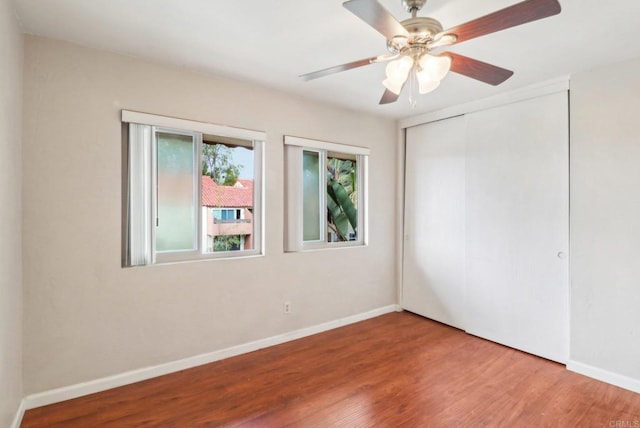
x: 194, y: 190
x: 221, y: 215
x: 326, y: 194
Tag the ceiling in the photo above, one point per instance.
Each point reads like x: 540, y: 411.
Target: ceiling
x: 272, y: 42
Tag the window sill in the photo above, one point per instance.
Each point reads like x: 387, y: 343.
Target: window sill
x: 177, y: 259
x: 332, y: 246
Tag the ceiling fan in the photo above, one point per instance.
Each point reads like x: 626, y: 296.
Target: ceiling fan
x: 411, y: 43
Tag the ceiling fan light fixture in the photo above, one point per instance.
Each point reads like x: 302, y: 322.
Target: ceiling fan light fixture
x: 425, y: 84
x: 399, y: 69
x: 393, y: 86
x: 412, y: 39
x: 397, y: 73
x: 436, y: 67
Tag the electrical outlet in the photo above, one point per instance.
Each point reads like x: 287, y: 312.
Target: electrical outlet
x: 287, y: 307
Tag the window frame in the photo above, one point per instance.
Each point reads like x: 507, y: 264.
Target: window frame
x: 197, y: 129
x: 294, y: 150
x: 322, y: 200
x: 164, y: 256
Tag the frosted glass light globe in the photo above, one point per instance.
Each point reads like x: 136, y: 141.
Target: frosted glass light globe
x: 393, y: 86
x: 436, y: 67
x: 425, y: 85
x: 398, y: 70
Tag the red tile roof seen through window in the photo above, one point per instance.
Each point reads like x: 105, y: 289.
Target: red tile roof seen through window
x: 240, y: 195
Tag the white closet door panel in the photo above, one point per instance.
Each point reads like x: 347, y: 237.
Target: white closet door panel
x: 434, y: 254
x: 517, y: 225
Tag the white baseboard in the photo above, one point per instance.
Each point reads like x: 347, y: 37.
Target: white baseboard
x: 17, y: 419
x: 102, y: 384
x: 605, y: 376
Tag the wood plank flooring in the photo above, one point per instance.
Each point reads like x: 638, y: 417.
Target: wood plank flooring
x: 397, y: 370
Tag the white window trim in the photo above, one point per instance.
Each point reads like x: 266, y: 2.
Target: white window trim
x: 324, y: 145
x: 294, y: 146
x: 145, y: 238
x: 192, y: 125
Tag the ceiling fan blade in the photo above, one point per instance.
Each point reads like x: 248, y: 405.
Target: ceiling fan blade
x: 518, y: 14
x: 338, y: 68
x: 345, y: 67
x: 389, y: 97
x: 478, y: 70
x: 372, y: 12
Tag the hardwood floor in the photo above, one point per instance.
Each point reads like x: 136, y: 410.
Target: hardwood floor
x: 395, y: 370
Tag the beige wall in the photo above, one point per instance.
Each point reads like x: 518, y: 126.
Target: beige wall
x: 605, y: 219
x: 10, y: 215
x: 86, y: 317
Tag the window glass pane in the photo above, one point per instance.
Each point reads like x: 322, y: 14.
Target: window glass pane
x: 342, y: 197
x: 176, y: 222
x: 228, y: 195
x: 228, y: 243
x: 311, y: 196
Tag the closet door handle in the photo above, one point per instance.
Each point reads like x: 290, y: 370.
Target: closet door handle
x: 562, y: 255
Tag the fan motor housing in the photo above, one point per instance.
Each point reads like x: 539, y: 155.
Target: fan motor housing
x: 421, y: 32
x: 420, y: 28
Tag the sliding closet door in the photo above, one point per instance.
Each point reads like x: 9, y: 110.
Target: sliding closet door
x: 517, y: 233
x: 433, y: 266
